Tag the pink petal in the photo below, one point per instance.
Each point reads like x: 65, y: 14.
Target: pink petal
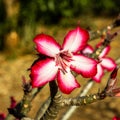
x: 99, y: 74
x: 46, y: 45
x: 84, y: 65
x: 108, y: 63
x: 42, y: 72
x: 104, y: 52
x: 66, y: 82
x: 75, y: 40
x: 87, y: 50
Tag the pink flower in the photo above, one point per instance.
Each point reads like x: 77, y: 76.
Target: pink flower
x: 61, y: 60
x: 103, y: 62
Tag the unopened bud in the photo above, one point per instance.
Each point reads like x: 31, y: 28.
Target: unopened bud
x: 114, y: 73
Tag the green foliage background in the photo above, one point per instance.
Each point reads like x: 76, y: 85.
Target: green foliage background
x: 49, y: 12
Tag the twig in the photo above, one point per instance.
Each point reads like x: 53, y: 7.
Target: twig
x: 99, y: 33
x: 24, y: 106
x: 84, y: 100
x: 72, y: 109
x: 26, y: 118
x: 118, y: 60
x: 42, y: 109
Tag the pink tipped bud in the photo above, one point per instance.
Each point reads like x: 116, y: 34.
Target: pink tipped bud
x: 111, y: 88
x: 13, y: 102
x: 112, y: 80
x: 114, y: 73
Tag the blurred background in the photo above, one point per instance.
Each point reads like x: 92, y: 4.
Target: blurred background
x: 21, y: 20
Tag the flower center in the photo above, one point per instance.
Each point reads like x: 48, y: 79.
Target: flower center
x: 62, y: 60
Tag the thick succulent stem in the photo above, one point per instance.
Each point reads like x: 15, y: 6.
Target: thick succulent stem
x: 55, y: 105
x: 84, y: 100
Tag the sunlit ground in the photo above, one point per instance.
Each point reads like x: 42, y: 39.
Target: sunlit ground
x: 14, y: 66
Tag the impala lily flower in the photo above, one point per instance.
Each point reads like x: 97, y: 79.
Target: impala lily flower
x: 61, y: 60
x: 103, y: 62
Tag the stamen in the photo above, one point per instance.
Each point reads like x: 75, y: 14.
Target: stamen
x: 62, y: 60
